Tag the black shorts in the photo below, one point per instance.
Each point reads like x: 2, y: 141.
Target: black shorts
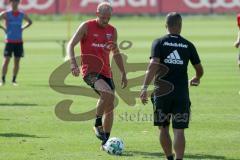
x: 176, y: 108
x: 13, y: 48
x: 91, y: 78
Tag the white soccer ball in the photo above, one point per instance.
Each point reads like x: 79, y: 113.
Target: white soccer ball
x: 114, y: 146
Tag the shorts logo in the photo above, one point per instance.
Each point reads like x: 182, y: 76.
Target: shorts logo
x: 173, y: 58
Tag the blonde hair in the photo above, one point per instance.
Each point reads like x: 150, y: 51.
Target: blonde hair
x: 104, y: 7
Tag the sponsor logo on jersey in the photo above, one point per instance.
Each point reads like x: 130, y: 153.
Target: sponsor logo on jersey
x: 180, y: 45
x: 173, y: 58
x: 98, y: 45
x: 109, y: 36
x: 95, y: 35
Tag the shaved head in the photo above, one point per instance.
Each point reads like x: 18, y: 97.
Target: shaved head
x: 104, y: 7
x: 173, y: 19
x: 174, y: 23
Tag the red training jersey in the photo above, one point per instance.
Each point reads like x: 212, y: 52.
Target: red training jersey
x: 94, y: 49
x: 238, y: 20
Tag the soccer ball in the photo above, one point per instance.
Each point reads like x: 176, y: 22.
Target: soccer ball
x: 114, y: 146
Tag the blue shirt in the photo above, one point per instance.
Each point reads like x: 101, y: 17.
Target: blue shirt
x: 14, y: 26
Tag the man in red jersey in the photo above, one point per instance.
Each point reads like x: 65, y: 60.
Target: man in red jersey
x: 237, y: 43
x: 98, y: 38
x: 14, y: 42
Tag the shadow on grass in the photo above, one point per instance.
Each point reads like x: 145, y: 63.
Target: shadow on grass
x: 206, y: 156
x: 141, y: 153
x: 17, y: 135
x: 17, y: 105
x: 151, y: 155
x: 40, y: 85
x: 2, y: 119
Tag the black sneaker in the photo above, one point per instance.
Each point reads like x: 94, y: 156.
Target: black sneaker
x: 99, y: 133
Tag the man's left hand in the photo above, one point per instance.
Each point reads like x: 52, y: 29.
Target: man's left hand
x: 194, y: 81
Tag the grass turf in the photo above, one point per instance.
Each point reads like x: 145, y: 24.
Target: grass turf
x: 30, y: 130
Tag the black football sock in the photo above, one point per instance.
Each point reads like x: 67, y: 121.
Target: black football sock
x: 178, y: 159
x: 14, y: 79
x: 170, y: 157
x: 107, y: 135
x: 98, y: 121
x: 3, y: 79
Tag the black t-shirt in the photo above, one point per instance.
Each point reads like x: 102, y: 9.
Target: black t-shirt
x: 175, y: 52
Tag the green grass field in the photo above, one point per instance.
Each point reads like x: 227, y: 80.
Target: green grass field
x: 30, y: 130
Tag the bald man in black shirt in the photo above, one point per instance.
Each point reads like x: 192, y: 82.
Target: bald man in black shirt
x: 168, y: 64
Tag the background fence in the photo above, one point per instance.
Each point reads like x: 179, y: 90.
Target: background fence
x: 128, y: 6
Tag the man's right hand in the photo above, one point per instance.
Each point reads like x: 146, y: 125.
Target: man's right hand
x: 75, y: 69
x: 144, y: 97
x: 237, y: 44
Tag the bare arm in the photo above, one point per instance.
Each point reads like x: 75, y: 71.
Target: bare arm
x: 28, y: 20
x: 76, y: 38
x: 3, y: 16
x: 195, y: 81
x: 118, y: 59
x: 150, y: 73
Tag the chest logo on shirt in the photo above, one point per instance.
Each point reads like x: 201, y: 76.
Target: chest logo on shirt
x: 174, y: 58
x: 95, y: 35
x: 109, y: 36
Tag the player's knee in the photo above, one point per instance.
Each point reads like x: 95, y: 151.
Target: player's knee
x: 107, y: 93
x: 164, y: 130
x: 107, y: 97
x: 6, y: 61
x: 178, y: 132
x: 16, y: 64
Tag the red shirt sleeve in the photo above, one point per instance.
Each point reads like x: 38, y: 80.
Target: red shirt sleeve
x: 238, y: 20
